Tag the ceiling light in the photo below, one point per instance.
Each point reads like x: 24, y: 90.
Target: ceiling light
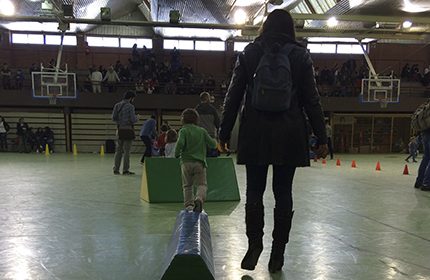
x: 407, y: 24
x: 410, y: 7
x: 240, y: 16
x: 7, y: 8
x: 355, y: 3
x: 332, y: 22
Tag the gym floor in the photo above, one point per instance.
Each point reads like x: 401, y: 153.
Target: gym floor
x: 69, y: 217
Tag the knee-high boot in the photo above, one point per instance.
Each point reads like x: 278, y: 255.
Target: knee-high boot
x: 254, y: 219
x: 280, y: 234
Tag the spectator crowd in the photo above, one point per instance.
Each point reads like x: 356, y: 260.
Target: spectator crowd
x: 27, y: 140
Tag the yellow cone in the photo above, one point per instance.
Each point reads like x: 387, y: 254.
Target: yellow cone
x: 75, y: 150
x: 47, y: 150
x: 102, y: 150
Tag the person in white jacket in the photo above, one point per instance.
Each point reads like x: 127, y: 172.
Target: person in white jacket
x: 112, y: 78
x: 96, y: 78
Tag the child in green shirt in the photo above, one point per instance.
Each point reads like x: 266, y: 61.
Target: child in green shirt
x: 193, y: 142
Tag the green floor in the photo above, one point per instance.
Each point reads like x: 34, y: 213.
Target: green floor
x: 66, y: 217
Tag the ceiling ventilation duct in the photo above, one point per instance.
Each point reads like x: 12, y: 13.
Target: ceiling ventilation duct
x: 276, y: 2
x: 145, y: 8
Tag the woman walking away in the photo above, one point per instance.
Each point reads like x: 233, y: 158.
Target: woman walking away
x: 275, y: 76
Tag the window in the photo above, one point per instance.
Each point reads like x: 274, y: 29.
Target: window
x: 56, y: 40
x: 103, y: 41
x: 240, y: 46
x: 350, y: 49
x: 179, y: 44
x: 129, y: 42
x: 322, y: 48
x: 27, y: 39
x: 210, y: 46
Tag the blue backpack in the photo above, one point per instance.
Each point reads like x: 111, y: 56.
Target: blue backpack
x: 272, y: 87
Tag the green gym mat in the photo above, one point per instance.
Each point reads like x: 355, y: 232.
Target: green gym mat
x: 161, y: 180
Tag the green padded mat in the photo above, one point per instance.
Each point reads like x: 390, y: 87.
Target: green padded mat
x: 161, y: 180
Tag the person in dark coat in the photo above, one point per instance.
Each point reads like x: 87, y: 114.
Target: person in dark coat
x: 266, y: 138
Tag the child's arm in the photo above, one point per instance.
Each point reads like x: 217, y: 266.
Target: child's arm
x: 210, y: 142
x: 179, y: 144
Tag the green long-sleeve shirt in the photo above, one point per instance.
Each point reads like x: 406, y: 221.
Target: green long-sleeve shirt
x: 192, y: 144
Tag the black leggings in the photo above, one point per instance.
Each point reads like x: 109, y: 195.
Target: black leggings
x: 256, y: 176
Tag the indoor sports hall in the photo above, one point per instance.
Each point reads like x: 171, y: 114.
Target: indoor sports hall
x: 358, y: 213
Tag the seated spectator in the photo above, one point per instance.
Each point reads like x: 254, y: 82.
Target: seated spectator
x: 140, y: 86
x: 33, y: 68
x: 19, y: 79
x: 39, y: 140
x: 112, y: 78
x: 31, y: 139
x: 210, y: 84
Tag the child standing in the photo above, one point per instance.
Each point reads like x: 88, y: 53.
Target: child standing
x: 169, y: 148
x: 191, y: 148
x: 413, y: 148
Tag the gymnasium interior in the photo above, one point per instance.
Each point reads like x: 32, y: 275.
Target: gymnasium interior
x: 65, y: 215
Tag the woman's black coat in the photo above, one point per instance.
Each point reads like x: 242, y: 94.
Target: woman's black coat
x: 267, y: 137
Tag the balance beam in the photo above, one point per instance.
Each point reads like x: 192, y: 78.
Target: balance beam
x: 189, y: 254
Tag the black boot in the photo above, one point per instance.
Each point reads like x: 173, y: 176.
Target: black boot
x: 254, y: 218
x: 281, y: 234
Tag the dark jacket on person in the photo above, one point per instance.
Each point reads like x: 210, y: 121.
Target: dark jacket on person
x: 21, y: 129
x: 279, y: 138
x: 208, y: 118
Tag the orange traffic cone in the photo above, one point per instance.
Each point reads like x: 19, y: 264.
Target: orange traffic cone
x: 338, y: 162
x: 378, y: 166
x: 406, y: 170
x: 354, y: 164
x: 324, y: 161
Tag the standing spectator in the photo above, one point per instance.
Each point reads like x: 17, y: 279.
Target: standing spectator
x: 112, y: 78
x: 329, y: 132
x: 6, y: 76
x: 4, y: 128
x: 148, y: 133
x: 423, y: 178
x: 22, y: 132
x: 193, y: 142
x: 171, y: 138
x: 272, y: 138
x: 161, y: 139
x: 412, y: 149
x: 96, y: 81
x: 48, y: 139
x: 135, y: 57
x: 208, y: 119
x: 124, y: 116
x: 19, y: 79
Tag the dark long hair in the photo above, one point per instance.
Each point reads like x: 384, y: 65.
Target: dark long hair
x: 279, y: 21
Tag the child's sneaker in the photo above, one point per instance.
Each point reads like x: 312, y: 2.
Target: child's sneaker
x: 198, y: 205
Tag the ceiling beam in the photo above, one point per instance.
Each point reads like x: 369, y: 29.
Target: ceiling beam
x: 356, y: 18
x: 251, y: 29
